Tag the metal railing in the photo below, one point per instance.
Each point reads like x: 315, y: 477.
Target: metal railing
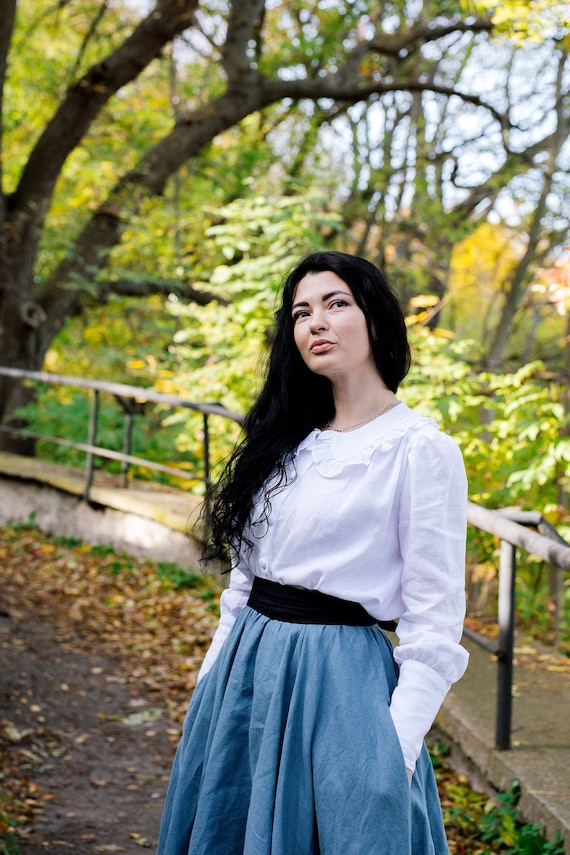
x: 511, y: 526
x: 131, y: 399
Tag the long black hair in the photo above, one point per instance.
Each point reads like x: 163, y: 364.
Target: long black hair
x: 294, y: 400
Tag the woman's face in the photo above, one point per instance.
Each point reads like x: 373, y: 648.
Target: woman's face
x: 329, y: 327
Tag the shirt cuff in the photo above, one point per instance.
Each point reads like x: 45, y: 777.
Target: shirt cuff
x: 415, y: 703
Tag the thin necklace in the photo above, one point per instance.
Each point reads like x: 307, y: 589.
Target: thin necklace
x: 382, y: 410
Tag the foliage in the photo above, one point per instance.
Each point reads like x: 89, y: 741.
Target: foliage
x: 509, y: 426
x: 500, y: 825
x: 179, y: 578
x: 511, y: 430
x: 116, y: 341
x: 9, y: 821
x: 138, y: 608
x: 480, y: 267
x: 8, y: 843
x: 531, y: 21
x: 259, y: 240
x: 485, y: 822
x: 209, y: 354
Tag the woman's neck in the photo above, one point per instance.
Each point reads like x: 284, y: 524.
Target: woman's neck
x: 355, y: 407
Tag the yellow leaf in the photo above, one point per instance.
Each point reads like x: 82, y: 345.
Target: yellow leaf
x: 424, y: 301
x: 48, y: 547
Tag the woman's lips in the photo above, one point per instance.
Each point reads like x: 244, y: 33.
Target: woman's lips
x: 321, y: 346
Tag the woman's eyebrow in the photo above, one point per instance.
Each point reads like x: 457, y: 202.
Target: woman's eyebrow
x: 324, y: 298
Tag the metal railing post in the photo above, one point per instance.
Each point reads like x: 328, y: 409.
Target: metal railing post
x: 206, y: 452
x: 89, y: 460
x: 556, y: 594
x: 127, y: 445
x: 507, y: 575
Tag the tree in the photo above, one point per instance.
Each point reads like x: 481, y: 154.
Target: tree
x: 440, y: 169
x: 310, y: 61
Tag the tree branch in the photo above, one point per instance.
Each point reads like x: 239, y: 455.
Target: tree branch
x: 243, y: 23
x: 341, y: 88
x: 184, y: 290
x: 83, y: 102
x: 6, y: 29
x: 100, y: 14
x: 7, y: 19
x: 61, y: 292
x: 427, y: 32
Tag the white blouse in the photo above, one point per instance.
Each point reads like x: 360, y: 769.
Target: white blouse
x: 378, y: 516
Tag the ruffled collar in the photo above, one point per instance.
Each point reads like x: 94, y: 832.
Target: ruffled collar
x: 331, y: 451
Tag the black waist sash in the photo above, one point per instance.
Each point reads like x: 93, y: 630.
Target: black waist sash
x: 300, y: 605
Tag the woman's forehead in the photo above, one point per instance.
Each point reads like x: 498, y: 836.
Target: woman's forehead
x: 318, y: 285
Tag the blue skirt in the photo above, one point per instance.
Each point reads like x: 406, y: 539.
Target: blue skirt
x: 288, y: 748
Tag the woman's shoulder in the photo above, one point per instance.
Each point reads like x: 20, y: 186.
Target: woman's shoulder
x: 402, y: 424
x: 420, y: 427
x: 424, y: 435
x: 332, y: 451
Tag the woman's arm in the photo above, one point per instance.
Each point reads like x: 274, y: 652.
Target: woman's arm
x: 232, y: 601
x: 433, y: 519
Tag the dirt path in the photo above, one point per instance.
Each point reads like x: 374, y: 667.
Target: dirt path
x: 96, y: 747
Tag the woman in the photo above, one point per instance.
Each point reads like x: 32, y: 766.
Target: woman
x: 342, y: 509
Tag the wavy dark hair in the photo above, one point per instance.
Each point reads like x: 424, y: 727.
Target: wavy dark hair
x: 294, y: 400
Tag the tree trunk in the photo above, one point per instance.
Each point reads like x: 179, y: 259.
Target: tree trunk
x: 18, y: 349
x: 517, y: 290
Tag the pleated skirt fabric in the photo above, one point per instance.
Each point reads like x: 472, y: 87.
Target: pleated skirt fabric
x: 288, y: 748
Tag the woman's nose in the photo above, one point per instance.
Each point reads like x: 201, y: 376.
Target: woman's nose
x: 318, y: 322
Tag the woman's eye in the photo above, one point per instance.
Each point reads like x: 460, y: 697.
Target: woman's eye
x: 299, y: 315
x: 338, y: 303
